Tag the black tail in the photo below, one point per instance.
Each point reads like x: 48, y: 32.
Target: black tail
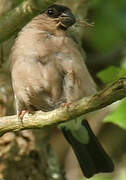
x: 92, y: 157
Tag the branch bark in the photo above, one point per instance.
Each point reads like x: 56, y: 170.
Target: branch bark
x: 40, y: 119
x: 15, y: 19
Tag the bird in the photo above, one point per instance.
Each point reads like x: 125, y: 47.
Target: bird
x: 48, y: 71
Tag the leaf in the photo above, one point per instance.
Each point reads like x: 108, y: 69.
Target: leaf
x: 118, y: 117
x: 111, y: 74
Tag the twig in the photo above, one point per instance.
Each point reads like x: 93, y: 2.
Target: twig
x: 39, y: 119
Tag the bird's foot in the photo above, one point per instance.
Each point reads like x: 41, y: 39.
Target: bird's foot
x: 67, y: 105
x: 22, y: 113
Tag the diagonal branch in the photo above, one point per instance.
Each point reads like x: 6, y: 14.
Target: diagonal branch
x: 15, y: 19
x: 39, y: 119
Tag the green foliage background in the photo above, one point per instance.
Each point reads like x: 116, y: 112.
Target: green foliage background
x: 108, y: 35
x: 110, y: 24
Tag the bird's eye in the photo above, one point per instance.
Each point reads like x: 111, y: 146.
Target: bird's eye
x: 51, y: 12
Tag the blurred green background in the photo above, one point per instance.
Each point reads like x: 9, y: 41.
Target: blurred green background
x: 106, y: 59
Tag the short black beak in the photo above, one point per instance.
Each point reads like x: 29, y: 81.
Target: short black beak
x: 67, y: 19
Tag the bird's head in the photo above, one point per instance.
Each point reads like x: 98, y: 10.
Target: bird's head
x: 62, y: 15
